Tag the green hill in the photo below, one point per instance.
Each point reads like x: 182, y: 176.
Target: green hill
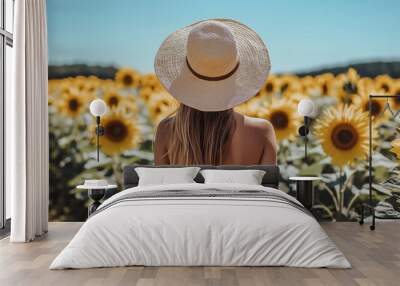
x: 370, y: 69
x: 56, y: 72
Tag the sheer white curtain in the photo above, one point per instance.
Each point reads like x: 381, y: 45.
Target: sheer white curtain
x: 27, y: 144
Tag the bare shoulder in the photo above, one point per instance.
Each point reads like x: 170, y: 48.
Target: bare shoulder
x: 164, y: 128
x: 258, y: 125
x: 163, y: 133
x: 264, y: 131
x: 161, y: 142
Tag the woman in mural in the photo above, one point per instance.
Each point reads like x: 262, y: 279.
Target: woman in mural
x: 211, y: 67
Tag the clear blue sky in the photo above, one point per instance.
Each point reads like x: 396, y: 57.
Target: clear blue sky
x: 300, y: 34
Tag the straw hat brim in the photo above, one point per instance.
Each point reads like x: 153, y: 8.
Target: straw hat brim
x: 254, y: 66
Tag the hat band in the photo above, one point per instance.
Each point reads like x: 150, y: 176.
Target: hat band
x: 212, y: 78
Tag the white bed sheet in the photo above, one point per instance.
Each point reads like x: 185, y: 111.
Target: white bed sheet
x: 200, y: 231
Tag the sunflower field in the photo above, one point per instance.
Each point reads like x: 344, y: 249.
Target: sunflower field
x: 338, y: 141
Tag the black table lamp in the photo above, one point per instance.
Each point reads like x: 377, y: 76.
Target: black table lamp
x: 98, y: 108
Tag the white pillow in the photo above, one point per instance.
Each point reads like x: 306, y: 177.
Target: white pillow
x: 248, y: 177
x: 164, y: 176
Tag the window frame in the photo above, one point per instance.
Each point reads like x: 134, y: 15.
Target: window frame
x: 6, y: 39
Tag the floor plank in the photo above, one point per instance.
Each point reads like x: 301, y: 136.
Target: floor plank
x: 375, y: 257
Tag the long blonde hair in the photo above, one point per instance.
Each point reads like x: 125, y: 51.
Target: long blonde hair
x: 199, y: 137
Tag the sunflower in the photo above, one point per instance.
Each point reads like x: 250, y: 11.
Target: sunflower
x: 79, y: 82
x: 121, y: 133
x: 66, y: 87
x: 309, y: 85
x: 50, y: 101
x: 108, y: 84
x: 72, y: 103
x: 53, y: 85
x: 325, y: 83
x: 343, y: 133
x: 345, y: 85
x: 151, y: 81
x: 365, y: 84
x: 161, y: 105
x: 378, y: 105
x: 127, y: 77
x: 289, y: 84
x: 384, y: 84
x: 51, y: 88
x: 113, y: 98
x: 396, y: 147
x: 395, y: 102
x: 283, y: 116
x: 270, y: 86
x: 145, y: 93
x: 91, y: 84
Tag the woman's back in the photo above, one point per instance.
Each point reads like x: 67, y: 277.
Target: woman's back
x: 251, y: 141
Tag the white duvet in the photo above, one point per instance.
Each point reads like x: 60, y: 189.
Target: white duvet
x: 200, y: 231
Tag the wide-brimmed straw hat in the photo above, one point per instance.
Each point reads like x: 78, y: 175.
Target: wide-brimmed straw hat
x: 213, y: 65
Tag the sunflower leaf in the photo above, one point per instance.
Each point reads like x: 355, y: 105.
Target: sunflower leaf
x: 314, y: 169
x: 379, y: 160
x: 381, y: 189
x: 141, y: 154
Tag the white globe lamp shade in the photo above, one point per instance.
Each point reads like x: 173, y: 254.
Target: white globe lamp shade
x: 98, y: 107
x: 306, y: 107
x: 315, y: 112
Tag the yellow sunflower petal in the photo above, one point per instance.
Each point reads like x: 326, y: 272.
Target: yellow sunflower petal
x: 378, y: 104
x: 385, y: 84
x: 161, y: 105
x: 127, y: 77
x: 251, y: 107
x: 283, y: 116
x: 396, y: 148
x: 345, y: 86
x: 343, y: 133
x: 121, y: 133
x: 113, y: 98
x: 395, y: 102
x: 151, y: 81
x: 72, y: 103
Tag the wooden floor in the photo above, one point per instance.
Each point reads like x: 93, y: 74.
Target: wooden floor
x: 375, y: 257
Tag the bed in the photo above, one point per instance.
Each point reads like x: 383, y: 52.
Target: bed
x: 198, y: 224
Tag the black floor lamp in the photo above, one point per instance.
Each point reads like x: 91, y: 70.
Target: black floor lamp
x: 370, y: 204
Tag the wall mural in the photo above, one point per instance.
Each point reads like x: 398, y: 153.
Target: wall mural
x: 338, y: 145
